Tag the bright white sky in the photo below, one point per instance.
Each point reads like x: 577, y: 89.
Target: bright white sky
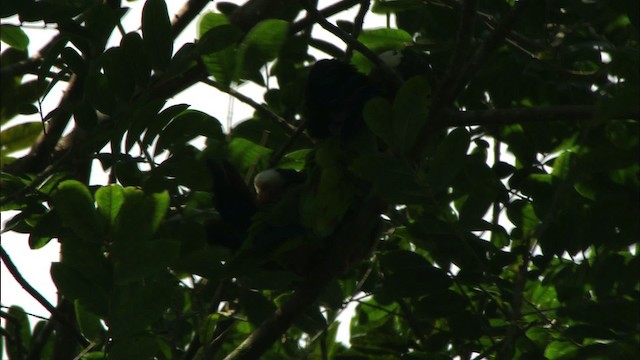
x: 34, y: 264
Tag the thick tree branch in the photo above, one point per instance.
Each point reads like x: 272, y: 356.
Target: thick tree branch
x: 569, y: 113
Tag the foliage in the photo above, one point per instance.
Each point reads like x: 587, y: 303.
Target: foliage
x: 505, y: 170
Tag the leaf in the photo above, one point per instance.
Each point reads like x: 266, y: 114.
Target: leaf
x: 410, y: 110
x: 14, y: 36
x: 154, y: 127
x: 140, y: 66
x: 110, y: 199
x: 98, y: 93
x: 74, y: 204
x: 209, y: 21
x: 220, y: 64
x: 140, y: 215
x: 246, y: 154
x: 90, y: 324
x: 392, y: 178
x: 448, y: 161
x: 20, y: 136
x: 17, y: 328
x: 378, y: 114
x: 262, y: 44
x: 379, y: 41
x: 407, y: 273
x: 157, y: 33
x: 119, y: 75
x: 187, y: 126
x: 80, y: 285
x: 141, y: 346
x: 14, y: 98
x: 141, y: 117
x: 135, y: 306
x: 218, y: 38
x: 134, y: 261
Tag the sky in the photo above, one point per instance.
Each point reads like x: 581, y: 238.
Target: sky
x: 34, y: 264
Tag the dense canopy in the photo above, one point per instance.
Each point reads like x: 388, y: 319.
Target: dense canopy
x: 476, y: 199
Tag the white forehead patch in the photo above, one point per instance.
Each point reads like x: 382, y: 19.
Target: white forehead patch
x: 267, y: 178
x: 392, y: 58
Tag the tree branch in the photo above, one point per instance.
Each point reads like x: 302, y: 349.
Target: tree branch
x: 569, y: 113
x: 463, y: 44
x: 358, y: 22
x: 353, y: 43
x: 449, y: 91
x: 284, y: 124
x: 186, y: 15
x: 13, y: 270
x: 330, y: 10
x: 486, y: 48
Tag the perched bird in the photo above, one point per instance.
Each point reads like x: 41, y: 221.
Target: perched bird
x: 335, y: 97
x: 237, y: 204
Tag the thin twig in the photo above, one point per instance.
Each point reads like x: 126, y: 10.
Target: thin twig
x: 186, y: 15
x: 358, y: 23
x: 330, y: 10
x: 353, y: 43
x: 463, y: 43
x: 257, y: 106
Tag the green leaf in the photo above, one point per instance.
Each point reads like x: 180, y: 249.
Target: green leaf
x: 142, y: 346
x: 13, y: 36
x: 140, y: 215
x: 98, y: 92
x: 89, y: 323
x: 18, y: 329
x: 561, y: 350
x: 14, y: 98
x: 406, y: 274
x: 76, y: 284
x: 142, y: 116
x: 218, y: 38
x: 74, y: 204
x: 187, y: 126
x: 262, y: 44
x: 209, y: 21
x: 448, y: 161
x: 135, y: 306
x: 220, y: 64
x: 378, y: 114
x: 134, y: 261
x: 110, y: 199
x: 20, y: 136
x: 392, y: 178
x: 120, y: 78
x: 246, y: 154
x: 140, y: 66
x: 154, y: 127
x: 410, y: 110
x: 379, y: 41
x: 157, y: 33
